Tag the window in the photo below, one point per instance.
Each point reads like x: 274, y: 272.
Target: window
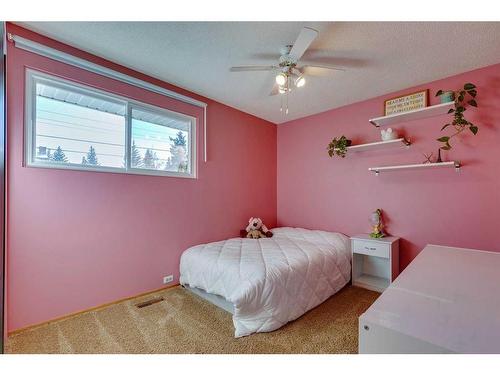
x: 75, y: 127
x: 159, y: 142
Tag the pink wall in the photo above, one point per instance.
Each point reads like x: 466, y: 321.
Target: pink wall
x: 79, y: 239
x: 439, y: 206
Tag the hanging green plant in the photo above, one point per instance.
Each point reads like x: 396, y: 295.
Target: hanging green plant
x: 338, y: 146
x: 463, y: 96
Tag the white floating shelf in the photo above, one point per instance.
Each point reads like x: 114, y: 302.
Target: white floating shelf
x: 393, y: 143
x: 446, y: 164
x: 433, y: 110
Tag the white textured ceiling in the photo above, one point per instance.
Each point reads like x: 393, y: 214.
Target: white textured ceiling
x: 379, y: 57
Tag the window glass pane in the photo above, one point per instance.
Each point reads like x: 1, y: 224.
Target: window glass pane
x: 75, y: 128
x: 160, y: 142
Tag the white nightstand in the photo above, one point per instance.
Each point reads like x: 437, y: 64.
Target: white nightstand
x: 375, y: 261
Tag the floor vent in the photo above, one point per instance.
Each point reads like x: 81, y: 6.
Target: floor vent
x: 149, y: 302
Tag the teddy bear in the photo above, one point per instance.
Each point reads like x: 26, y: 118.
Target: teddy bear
x: 256, y: 229
x: 255, y: 234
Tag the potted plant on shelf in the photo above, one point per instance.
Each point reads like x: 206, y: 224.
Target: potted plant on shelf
x: 339, y: 146
x: 462, y: 97
x: 446, y: 96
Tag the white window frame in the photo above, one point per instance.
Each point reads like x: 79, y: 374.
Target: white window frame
x: 33, y: 77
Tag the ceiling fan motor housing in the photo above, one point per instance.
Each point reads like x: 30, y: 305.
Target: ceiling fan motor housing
x: 286, y: 60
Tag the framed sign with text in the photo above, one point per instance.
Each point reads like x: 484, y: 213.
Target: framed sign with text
x: 410, y: 102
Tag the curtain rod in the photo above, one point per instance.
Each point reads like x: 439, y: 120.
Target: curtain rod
x: 54, y: 54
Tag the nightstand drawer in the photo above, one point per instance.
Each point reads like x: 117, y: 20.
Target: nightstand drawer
x: 377, y: 249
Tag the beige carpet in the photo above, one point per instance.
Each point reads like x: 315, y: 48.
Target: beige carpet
x: 185, y: 323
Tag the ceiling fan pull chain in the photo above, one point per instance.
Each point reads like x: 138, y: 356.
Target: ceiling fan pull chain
x: 287, y: 92
x: 286, y: 113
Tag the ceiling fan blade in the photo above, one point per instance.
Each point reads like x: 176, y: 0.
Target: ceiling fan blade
x: 275, y: 90
x: 318, y: 70
x: 323, y: 67
x: 253, y: 68
x: 304, y: 40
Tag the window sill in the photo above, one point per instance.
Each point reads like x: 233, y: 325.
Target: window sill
x: 138, y: 172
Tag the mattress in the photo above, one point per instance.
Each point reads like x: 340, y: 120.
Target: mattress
x: 270, y: 281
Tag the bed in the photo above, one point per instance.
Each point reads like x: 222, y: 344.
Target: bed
x: 268, y: 282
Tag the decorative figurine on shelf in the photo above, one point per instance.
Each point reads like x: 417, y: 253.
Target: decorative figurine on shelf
x: 377, y: 224
x: 428, y: 158
x: 439, y: 160
x: 388, y: 134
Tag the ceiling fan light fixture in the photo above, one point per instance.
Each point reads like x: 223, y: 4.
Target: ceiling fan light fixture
x: 300, y: 81
x: 281, y: 78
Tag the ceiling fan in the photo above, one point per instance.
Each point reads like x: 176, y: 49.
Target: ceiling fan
x: 289, y: 74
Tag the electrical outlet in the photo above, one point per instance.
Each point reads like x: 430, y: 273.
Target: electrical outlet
x: 168, y: 279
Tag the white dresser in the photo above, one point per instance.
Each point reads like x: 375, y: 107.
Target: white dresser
x: 375, y: 261
x: 446, y: 301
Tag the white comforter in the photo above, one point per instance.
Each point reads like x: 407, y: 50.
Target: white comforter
x: 270, y: 281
